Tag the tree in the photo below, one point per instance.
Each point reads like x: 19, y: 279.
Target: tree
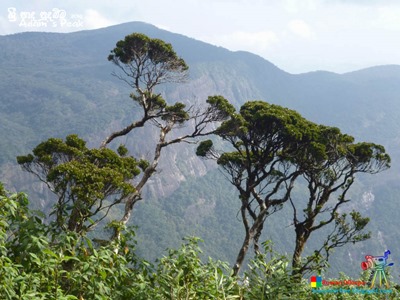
x: 146, y: 63
x: 87, y: 182
x: 265, y: 138
x: 329, y: 170
x: 274, y: 148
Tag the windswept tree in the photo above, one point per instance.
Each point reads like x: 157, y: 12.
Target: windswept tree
x: 274, y: 148
x: 146, y: 63
x: 265, y: 138
x: 86, y: 180
x: 328, y: 170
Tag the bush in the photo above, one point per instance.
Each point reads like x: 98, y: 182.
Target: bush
x: 39, y: 262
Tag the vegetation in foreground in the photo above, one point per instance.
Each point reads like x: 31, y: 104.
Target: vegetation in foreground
x: 273, y: 148
x: 38, y: 262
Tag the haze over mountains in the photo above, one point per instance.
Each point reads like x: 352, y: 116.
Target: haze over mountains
x: 55, y: 84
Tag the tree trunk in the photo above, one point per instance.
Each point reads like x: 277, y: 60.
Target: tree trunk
x: 75, y: 221
x: 302, y: 234
x: 298, y: 250
x: 257, y: 238
x: 252, y: 234
x: 242, y: 254
x: 136, y: 196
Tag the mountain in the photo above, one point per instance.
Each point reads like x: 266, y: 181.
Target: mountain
x: 54, y: 84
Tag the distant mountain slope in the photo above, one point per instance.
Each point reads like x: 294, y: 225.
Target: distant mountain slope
x: 53, y: 84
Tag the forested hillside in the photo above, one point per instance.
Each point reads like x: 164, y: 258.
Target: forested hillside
x: 58, y: 84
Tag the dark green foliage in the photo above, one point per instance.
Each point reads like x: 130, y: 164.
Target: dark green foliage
x: 362, y: 153
x: 138, y: 45
x: 176, y: 113
x: 139, y: 55
x: 122, y: 150
x: 222, y: 106
x: 143, y: 164
x: 204, y: 148
x: 262, y: 131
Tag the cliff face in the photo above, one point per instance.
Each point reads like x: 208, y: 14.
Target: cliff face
x: 57, y: 84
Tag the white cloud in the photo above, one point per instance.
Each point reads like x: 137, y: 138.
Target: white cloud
x: 93, y: 19
x: 300, y: 28
x: 251, y: 41
x: 295, y: 6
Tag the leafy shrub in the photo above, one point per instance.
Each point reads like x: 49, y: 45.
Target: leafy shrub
x: 268, y: 277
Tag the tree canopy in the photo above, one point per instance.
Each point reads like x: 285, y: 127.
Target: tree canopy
x: 86, y: 181
x: 274, y: 148
x: 147, y: 62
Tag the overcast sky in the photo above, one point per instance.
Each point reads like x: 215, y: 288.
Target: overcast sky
x: 296, y: 35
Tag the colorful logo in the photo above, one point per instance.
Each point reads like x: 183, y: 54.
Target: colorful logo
x: 376, y: 266
x: 316, y: 281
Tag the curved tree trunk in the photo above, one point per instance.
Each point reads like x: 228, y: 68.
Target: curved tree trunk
x: 241, y: 255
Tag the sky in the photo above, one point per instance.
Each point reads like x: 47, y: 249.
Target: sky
x: 298, y: 36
